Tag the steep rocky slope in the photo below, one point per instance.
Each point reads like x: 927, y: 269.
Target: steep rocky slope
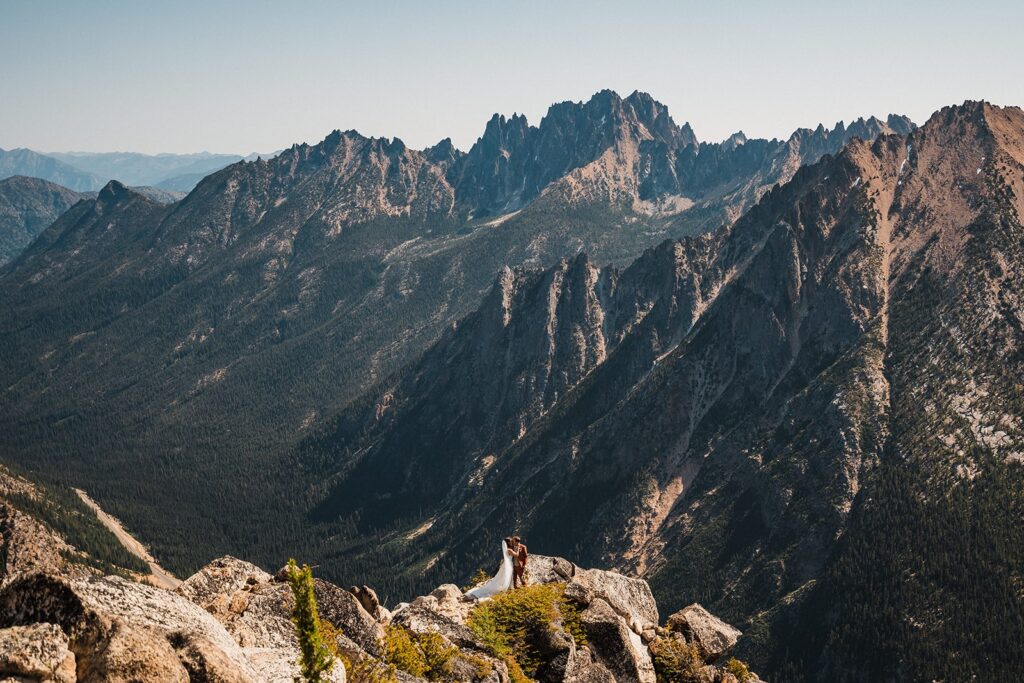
x: 742, y: 417
x: 173, y: 348
x: 27, y: 207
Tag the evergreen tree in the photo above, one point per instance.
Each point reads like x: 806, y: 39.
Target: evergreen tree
x: 315, y: 658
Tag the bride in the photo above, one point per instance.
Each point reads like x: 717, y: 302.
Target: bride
x: 501, y: 581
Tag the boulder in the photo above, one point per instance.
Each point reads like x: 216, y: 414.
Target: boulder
x: 215, y: 586
x: 465, y: 670
x: 544, y: 569
x: 447, y: 600
x: 38, y: 652
x: 586, y: 668
x: 279, y: 665
x: 343, y: 610
x: 619, y: 649
x: 142, y: 606
x: 557, y: 652
x: 712, y: 636
x: 367, y: 597
x: 255, y: 608
x: 260, y: 619
x: 420, y: 619
x: 204, y: 662
x: 120, y: 630
x: 128, y: 654
x: 630, y: 598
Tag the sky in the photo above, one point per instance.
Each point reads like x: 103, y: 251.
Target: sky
x: 255, y: 76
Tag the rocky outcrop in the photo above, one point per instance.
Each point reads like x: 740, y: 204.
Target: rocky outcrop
x: 367, y: 597
x: 27, y: 546
x: 710, y: 634
x: 618, y: 616
x: 621, y: 650
x: 230, y: 623
x: 121, y: 630
x: 255, y: 608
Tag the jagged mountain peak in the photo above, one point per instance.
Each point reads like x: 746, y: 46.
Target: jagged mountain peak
x: 444, y: 153
x: 116, y: 195
x: 735, y: 140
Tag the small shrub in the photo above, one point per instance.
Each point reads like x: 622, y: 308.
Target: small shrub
x: 738, y: 669
x: 400, y: 651
x: 420, y: 654
x: 676, y: 661
x: 316, y: 658
x: 510, y: 623
x: 515, y: 672
x: 368, y: 670
x: 436, y: 654
x: 482, y: 666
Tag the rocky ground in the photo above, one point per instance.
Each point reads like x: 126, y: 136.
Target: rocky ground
x: 230, y: 622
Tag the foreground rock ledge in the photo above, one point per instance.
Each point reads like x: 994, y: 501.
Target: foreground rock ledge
x: 229, y: 622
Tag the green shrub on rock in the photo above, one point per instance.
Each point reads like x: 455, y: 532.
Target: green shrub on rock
x: 512, y: 624
x: 368, y: 670
x: 738, y: 669
x: 316, y: 658
x: 420, y: 654
x: 676, y: 661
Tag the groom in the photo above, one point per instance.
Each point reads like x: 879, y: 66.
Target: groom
x: 519, y: 557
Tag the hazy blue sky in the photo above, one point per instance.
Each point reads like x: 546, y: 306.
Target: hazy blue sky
x: 257, y: 76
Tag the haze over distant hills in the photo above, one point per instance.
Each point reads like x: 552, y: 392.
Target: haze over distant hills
x: 25, y: 162
x: 774, y: 376
x: 88, y: 171
x: 178, y: 172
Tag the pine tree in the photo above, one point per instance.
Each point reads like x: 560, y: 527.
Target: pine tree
x: 315, y: 659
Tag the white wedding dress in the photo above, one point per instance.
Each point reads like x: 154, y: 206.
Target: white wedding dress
x: 500, y: 582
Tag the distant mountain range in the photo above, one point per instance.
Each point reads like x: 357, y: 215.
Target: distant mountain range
x: 25, y: 162
x: 778, y: 377
x: 177, y: 172
x: 87, y: 171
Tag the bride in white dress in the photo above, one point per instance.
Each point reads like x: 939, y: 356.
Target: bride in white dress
x: 500, y: 582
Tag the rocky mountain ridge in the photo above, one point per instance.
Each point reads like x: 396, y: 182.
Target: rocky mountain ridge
x: 248, y: 315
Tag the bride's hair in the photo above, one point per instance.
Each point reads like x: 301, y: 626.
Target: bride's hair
x: 508, y: 541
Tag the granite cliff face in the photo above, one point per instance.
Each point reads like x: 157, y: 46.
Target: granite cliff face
x: 746, y: 406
